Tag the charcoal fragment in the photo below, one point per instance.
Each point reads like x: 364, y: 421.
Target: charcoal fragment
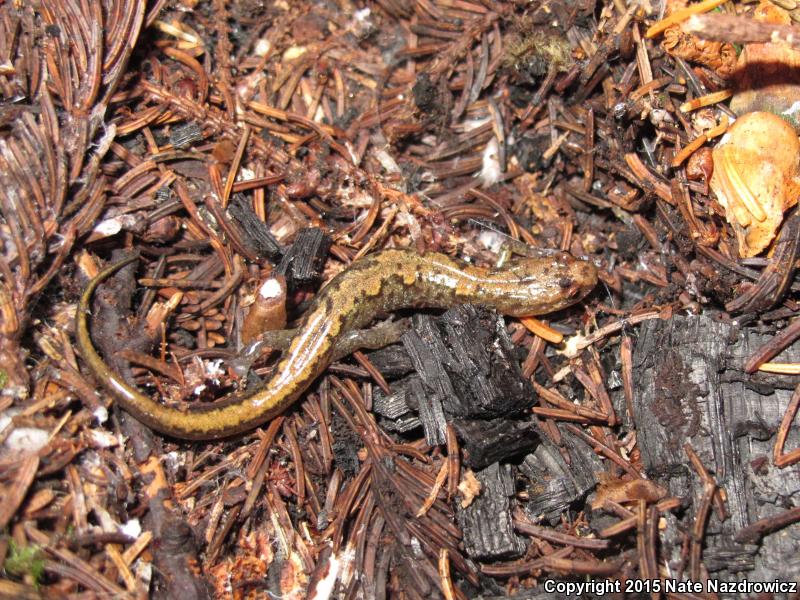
x: 304, y: 260
x: 255, y: 233
x: 486, y: 523
x: 392, y: 361
x: 466, y: 361
x: 555, y: 485
x: 485, y: 442
x: 397, y: 414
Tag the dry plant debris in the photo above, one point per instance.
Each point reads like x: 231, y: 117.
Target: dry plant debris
x: 249, y: 151
x: 756, y: 177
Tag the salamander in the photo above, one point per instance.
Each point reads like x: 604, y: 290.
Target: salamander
x: 379, y: 283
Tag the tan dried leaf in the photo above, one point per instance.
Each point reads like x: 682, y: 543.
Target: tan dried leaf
x: 756, y: 178
x: 470, y: 487
x: 719, y: 56
x: 627, y: 491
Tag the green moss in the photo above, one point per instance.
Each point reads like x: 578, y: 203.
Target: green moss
x: 3, y: 379
x: 25, y: 560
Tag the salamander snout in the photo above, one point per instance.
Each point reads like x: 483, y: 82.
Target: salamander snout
x: 547, y: 284
x: 581, y: 278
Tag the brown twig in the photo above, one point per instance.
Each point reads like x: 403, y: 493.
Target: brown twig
x: 741, y: 30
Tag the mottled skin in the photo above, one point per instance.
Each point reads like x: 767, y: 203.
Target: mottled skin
x: 374, y: 285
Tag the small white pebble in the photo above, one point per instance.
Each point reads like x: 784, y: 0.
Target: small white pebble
x: 573, y: 345
x: 100, y: 414
x: 491, y: 172
x: 294, y: 52
x: 173, y: 459
x: 114, y: 225
x: 132, y: 528
x: 99, y: 438
x: 262, y: 47
x: 416, y: 546
x: 271, y: 288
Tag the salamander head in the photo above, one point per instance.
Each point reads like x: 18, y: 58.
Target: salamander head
x: 546, y: 284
